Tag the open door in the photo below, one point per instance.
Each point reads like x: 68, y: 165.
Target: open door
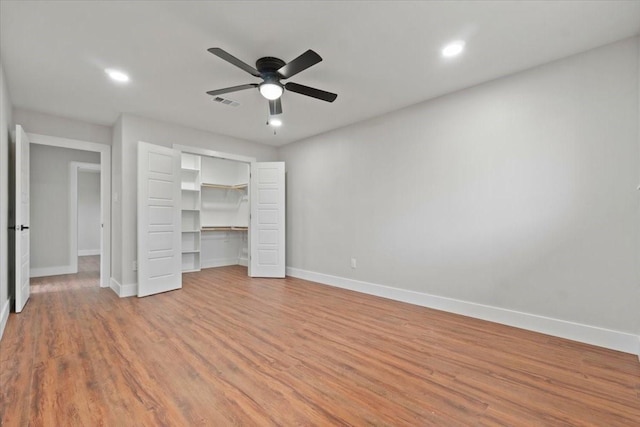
x: 21, y: 219
x: 159, y: 222
x: 267, y: 240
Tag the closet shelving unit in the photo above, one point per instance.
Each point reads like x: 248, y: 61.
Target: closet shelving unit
x: 191, y: 205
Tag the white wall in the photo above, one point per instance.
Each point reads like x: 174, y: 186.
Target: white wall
x: 62, y: 127
x: 6, y: 124
x: 50, y: 206
x: 136, y: 129
x: 88, y: 213
x: 519, y: 193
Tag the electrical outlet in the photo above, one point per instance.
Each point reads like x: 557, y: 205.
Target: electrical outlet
x: 135, y: 265
x: 353, y: 263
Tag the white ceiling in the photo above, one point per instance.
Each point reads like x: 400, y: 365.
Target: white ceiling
x: 378, y: 56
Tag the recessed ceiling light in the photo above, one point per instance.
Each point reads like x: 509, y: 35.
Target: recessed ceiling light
x: 117, y: 75
x: 453, y: 49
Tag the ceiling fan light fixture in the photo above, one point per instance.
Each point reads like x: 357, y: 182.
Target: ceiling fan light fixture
x: 271, y: 90
x: 276, y: 122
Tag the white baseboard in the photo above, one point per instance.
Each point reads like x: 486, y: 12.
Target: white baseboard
x: 115, y: 286
x: 218, y: 262
x: 123, y: 291
x: 4, y: 316
x: 88, y: 252
x: 52, y: 271
x: 615, y: 340
x: 243, y: 262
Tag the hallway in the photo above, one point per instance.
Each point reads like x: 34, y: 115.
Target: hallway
x: 88, y: 276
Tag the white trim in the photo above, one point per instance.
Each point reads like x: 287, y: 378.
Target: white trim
x: 52, y: 271
x: 4, y: 316
x: 74, y: 169
x: 212, y: 153
x: 88, y: 252
x: 105, y: 191
x: 123, y: 291
x: 620, y: 341
x: 115, y: 286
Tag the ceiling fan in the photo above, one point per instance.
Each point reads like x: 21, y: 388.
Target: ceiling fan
x: 271, y: 71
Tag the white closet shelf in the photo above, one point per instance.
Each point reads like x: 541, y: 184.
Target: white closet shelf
x: 190, y: 231
x: 224, y: 228
x: 188, y: 169
x: 191, y: 251
x: 225, y: 187
x: 191, y: 189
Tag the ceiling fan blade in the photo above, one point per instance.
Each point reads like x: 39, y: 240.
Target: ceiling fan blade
x: 275, y: 107
x: 232, y: 89
x: 310, y: 91
x: 301, y: 63
x: 233, y: 60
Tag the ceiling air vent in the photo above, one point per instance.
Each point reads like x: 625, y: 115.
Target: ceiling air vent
x: 226, y: 101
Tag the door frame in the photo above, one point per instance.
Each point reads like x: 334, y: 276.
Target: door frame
x: 105, y: 192
x: 213, y: 153
x: 74, y: 169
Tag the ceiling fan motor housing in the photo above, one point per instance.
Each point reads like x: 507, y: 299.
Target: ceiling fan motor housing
x: 269, y: 66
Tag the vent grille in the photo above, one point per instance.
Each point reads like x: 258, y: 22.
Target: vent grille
x: 225, y: 101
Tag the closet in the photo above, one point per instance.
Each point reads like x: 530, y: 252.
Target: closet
x: 215, y: 212
x: 199, y: 208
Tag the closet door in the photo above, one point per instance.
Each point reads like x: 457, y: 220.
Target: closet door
x: 267, y: 239
x: 159, y: 221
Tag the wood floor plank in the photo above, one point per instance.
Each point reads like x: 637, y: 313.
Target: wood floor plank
x: 231, y: 350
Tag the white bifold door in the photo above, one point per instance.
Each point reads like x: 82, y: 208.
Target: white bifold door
x: 21, y: 219
x: 267, y: 226
x: 159, y: 221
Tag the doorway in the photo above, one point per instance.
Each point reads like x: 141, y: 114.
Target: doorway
x: 94, y: 176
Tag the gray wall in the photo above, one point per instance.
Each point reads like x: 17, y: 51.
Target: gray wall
x: 125, y: 144
x: 50, y: 203
x: 519, y: 193
x: 88, y: 212
x: 62, y: 127
x: 6, y: 124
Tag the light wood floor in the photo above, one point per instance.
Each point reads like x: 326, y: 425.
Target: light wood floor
x: 229, y: 350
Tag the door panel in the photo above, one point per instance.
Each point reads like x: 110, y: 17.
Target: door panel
x: 159, y: 254
x: 21, y: 210
x: 267, y: 220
